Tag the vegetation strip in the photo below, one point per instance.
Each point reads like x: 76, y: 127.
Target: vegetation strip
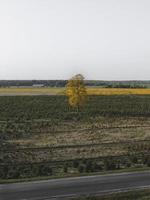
x: 73, y: 146
x: 140, y: 154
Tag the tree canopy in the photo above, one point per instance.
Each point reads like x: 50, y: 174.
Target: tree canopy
x: 76, y: 91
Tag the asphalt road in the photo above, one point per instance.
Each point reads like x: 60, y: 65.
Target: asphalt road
x: 70, y: 187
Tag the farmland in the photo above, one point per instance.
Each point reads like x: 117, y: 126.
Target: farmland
x: 44, y: 136
x: 10, y: 91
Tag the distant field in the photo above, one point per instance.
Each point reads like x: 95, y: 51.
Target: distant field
x: 61, y: 91
x: 117, y: 91
x: 31, y: 91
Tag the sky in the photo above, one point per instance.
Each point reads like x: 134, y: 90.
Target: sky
x: 55, y: 39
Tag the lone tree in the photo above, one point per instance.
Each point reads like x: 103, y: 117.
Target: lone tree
x: 76, y: 91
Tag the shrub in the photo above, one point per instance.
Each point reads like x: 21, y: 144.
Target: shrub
x: 81, y: 168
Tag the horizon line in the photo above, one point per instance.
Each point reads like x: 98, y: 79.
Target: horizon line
x: 68, y: 79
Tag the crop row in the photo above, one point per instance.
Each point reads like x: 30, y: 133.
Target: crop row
x: 62, y: 153
x: 56, y: 107
x: 132, y: 144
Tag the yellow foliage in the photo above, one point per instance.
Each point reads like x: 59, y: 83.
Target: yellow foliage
x: 76, y: 91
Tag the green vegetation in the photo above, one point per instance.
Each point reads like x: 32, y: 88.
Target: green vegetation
x: 23, y: 108
x: 44, y: 136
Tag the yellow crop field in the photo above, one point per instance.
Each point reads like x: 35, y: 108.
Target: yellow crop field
x: 31, y: 91
x: 61, y: 91
x: 117, y: 91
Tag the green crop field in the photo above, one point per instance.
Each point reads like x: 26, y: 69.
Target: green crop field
x: 44, y: 136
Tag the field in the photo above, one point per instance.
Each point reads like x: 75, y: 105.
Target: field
x: 44, y: 136
x: 61, y: 91
x: 117, y: 91
x: 31, y: 91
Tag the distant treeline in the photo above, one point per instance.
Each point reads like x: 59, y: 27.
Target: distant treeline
x: 62, y: 83
x: 119, y: 84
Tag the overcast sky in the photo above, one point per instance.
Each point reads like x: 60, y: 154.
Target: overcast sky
x: 54, y: 39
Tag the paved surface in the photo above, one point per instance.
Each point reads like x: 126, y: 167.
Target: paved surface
x: 71, y: 187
